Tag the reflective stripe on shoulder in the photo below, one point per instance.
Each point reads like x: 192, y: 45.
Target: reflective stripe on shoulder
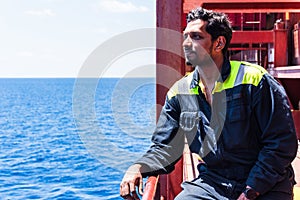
x: 241, y: 73
x: 182, y: 87
x: 173, y: 91
x: 252, y: 73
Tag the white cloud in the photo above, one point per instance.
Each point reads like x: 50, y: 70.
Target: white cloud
x: 3, y: 58
x: 45, y: 12
x: 100, y: 30
x: 123, y: 7
x: 25, y: 54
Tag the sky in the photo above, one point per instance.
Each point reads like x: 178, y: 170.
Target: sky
x: 53, y: 38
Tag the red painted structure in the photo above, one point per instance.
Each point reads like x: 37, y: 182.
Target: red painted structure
x: 256, y: 38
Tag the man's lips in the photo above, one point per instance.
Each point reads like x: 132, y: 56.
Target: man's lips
x: 188, y: 52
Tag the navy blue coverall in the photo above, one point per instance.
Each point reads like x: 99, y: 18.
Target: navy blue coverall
x: 246, y: 136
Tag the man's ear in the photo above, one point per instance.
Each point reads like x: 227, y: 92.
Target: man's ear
x: 220, y: 43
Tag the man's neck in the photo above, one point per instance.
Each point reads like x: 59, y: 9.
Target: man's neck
x: 210, y: 73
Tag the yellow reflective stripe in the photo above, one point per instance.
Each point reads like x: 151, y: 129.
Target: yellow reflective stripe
x: 189, y: 81
x: 202, y: 87
x: 173, y: 91
x: 175, y: 88
x: 252, y: 74
x: 194, y: 90
x: 229, y: 82
x: 240, y: 73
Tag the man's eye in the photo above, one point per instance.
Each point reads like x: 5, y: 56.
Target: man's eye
x: 196, y: 36
x: 193, y: 36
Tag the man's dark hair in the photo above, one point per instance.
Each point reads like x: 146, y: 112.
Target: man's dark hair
x: 218, y: 24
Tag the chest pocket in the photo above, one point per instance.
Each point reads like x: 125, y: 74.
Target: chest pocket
x: 237, y: 108
x: 237, y: 135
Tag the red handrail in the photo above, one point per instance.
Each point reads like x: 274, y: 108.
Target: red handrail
x: 150, y: 188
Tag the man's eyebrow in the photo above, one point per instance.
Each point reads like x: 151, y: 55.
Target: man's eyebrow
x: 193, y: 32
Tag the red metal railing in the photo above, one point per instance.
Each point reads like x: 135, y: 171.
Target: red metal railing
x: 150, y: 188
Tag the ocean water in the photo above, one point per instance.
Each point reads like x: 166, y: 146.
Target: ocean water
x: 72, y: 138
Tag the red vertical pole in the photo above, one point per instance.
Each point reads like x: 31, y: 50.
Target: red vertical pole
x: 169, y: 15
x: 280, y: 45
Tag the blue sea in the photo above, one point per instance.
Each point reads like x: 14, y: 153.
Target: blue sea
x: 70, y: 138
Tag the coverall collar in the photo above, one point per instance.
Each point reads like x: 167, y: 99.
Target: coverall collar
x: 225, y: 71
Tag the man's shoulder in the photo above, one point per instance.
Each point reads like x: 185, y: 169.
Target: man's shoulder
x: 182, y: 86
x: 249, y: 67
x: 248, y: 73
x: 254, y: 68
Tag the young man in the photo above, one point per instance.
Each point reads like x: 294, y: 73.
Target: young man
x: 233, y: 114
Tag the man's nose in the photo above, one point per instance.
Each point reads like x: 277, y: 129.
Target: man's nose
x: 187, y: 42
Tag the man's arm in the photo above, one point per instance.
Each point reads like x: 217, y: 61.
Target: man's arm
x: 277, y: 136
x: 166, y: 150
x: 168, y: 142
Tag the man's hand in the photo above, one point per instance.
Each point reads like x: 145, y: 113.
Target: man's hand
x: 242, y: 197
x: 131, y: 179
x: 252, y: 195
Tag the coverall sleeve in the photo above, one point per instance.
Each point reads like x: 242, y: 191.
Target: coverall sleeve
x: 277, y: 136
x: 168, y: 142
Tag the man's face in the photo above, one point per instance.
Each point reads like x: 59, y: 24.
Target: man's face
x: 197, y: 44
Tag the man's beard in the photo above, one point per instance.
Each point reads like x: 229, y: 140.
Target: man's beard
x: 188, y: 63
x: 204, y: 61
